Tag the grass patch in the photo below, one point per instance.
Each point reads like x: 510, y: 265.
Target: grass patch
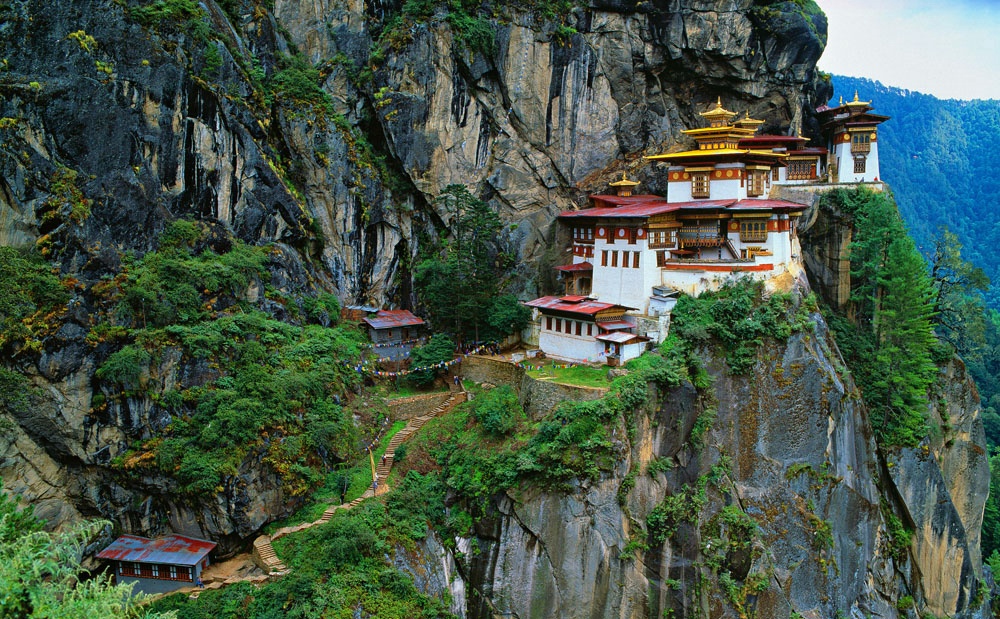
x: 577, y: 375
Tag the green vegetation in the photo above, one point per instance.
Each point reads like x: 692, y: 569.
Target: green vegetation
x: 460, y: 284
x: 41, y: 576
x: 683, y: 507
x: 438, y: 350
x: 343, y: 569
x: 274, y: 389
x: 739, y: 318
x: 938, y: 156
x: 497, y: 411
x: 32, y: 303
x: 580, y: 375
x: 889, y: 344
x: 576, y: 442
x: 299, y: 82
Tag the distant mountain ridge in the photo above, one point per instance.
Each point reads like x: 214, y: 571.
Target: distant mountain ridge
x: 936, y: 154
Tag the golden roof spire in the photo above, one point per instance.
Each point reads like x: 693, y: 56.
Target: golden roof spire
x: 624, y: 186
x: 858, y: 102
x: 718, y: 116
x: 841, y: 99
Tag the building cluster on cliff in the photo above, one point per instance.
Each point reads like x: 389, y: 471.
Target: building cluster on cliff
x: 721, y: 219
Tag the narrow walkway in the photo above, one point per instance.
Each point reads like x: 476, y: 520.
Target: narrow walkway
x: 263, y: 552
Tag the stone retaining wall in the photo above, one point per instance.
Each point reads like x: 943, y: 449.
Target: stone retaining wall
x: 540, y: 397
x: 408, y: 408
x: 494, y: 371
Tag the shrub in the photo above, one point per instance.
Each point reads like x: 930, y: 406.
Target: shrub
x: 498, y: 410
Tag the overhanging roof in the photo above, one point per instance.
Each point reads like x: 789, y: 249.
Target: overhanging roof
x: 387, y: 319
x: 620, y: 337
x: 586, y: 306
x: 579, y: 266
x: 172, y: 549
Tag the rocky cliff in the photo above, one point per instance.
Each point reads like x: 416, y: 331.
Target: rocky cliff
x: 327, y: 129
x: 783, y: 508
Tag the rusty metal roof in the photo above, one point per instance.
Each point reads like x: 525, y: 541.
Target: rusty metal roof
x: 172, y: 549
x: 387, y: 319
x: 585, y: 306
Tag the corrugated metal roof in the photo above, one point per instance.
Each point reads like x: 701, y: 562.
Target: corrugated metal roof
x: 587, y: 307
x: 615, y: 325
x: 387, y: 319
x: 172, y: 549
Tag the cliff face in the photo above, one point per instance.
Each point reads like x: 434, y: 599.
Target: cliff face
x: 119, y: 117
x: 115, y: 122
x: 795, y: 515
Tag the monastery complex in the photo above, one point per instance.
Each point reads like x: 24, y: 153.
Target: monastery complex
x: 633, y: 253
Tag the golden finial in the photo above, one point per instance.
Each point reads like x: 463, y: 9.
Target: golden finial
x: 856, y: 96
x: 841, y: 99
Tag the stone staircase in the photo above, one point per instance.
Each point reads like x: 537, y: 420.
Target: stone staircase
x: 263, y: 552
x: 265, y: 557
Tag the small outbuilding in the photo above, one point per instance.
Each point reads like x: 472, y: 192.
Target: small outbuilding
x: 395, y: 332
x: 160, y: 565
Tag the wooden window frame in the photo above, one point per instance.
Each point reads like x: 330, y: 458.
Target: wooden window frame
x: 579, y: 328
x: 753, y: 231
x: 614, y: 259
x: 860, y: 165
x: 604, y: 257
x: 700, y: 186
x: 635, y: 260
x: 755, y: 183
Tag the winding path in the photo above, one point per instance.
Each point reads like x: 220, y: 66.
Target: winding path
x: 263, y: 552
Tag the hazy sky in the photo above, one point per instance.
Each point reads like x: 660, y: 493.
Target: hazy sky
x: 946, y: 48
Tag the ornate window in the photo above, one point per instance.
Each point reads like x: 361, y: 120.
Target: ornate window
x: 859, y: 165
x: 755, y: 183
x: 699, y: 185
x: 662, y: 238
x: 753, y: 231
x: 860, y: 143
x: 801, y: 170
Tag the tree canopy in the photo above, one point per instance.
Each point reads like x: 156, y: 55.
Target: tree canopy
x: 460, y: 283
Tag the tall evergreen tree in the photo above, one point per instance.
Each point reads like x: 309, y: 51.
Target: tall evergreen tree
x: 458, y: 285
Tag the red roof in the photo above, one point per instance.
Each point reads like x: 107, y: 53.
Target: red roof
x: 173, y: 549
x: 769, y: 205
x: 573, y: 305
x: 387, y: 319
x: 579, y: 266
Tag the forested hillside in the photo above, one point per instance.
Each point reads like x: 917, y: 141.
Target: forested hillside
x: 936, y: 154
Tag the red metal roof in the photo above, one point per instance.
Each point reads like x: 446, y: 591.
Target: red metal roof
x: 579, y: 266
x: 585, y: 306
x: 769, y: 205
x: 172, y: 549
x: 387, y: 319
